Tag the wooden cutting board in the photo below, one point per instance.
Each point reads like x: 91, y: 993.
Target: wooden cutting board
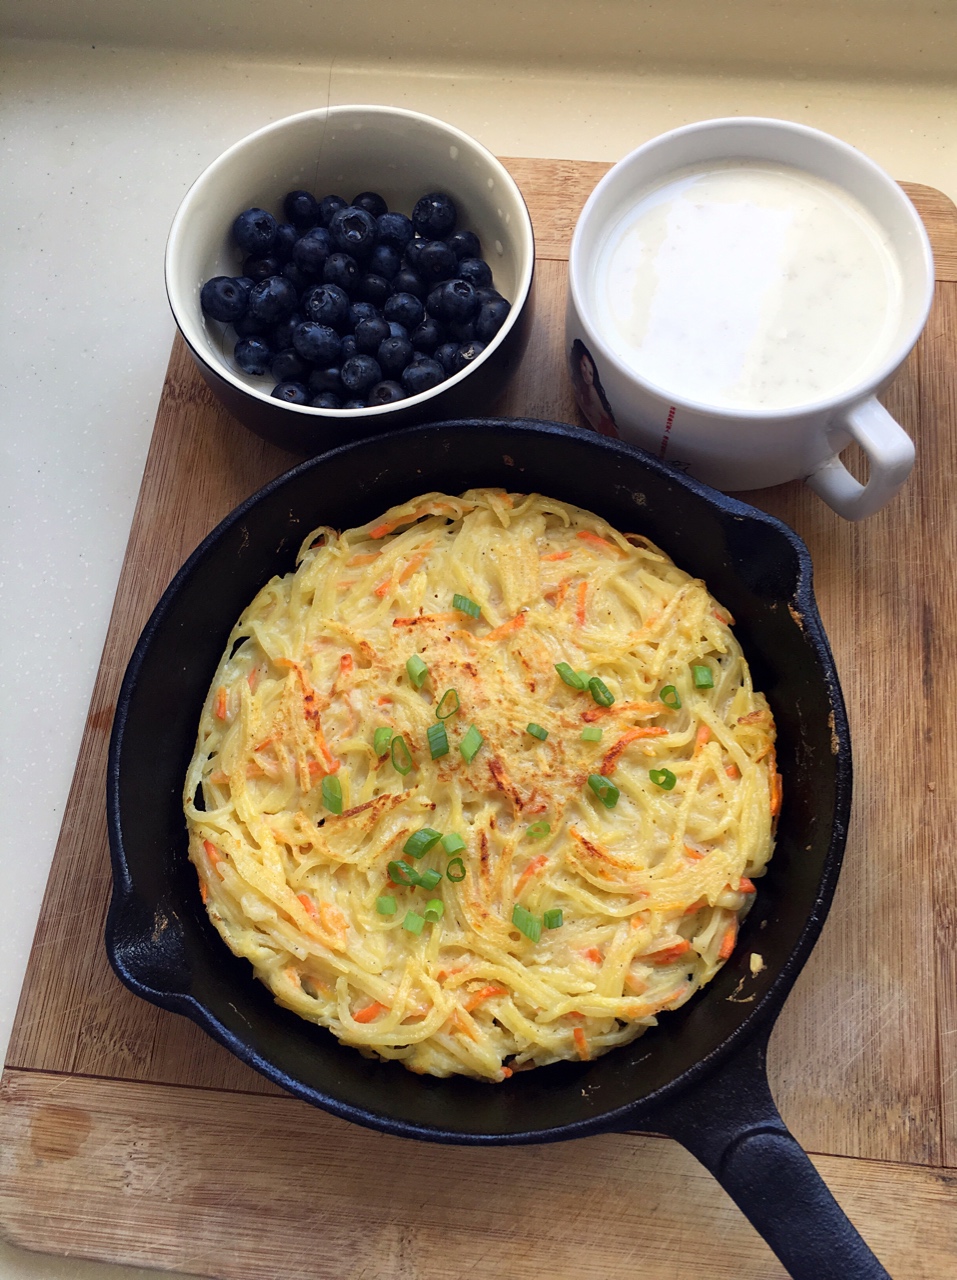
x: 127, y: 1135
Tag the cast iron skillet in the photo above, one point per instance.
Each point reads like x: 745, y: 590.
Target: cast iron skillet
x: 700, y: 1076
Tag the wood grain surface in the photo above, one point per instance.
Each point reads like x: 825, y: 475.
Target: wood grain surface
x: 126, y: 1134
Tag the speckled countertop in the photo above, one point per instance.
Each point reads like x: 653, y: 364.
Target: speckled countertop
x: 99, y: 142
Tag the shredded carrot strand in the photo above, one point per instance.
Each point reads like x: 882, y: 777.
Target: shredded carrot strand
x: 592, y: 954
x: 532, y: 869
x: 308, y: 903
x: 746, y: 886
x: 581, y: 1044
x: 694, y: 854
x: 733, y: 771
x: 369, y: 1012
x: 777, y: 791
x: 212, y: 853
x: 580, y: 608
x: 594, y: 540
x: 507, y: 628
x: 702, y: 737
x: 204, y: 891
x: 728, y: 941
x: 477, y: 997
x: 667, y: 954
x: 556, y: 555
x: 362, y: 557
x: 611, y: 759
x: 221, y: 702
x: 253, y: 679
x: 557, y: 597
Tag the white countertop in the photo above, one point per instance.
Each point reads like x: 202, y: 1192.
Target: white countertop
x: 99, y: 143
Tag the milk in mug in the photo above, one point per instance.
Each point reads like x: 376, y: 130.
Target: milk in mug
x: 748, y: 285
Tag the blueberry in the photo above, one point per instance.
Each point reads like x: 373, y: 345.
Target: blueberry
x: 341, y: 269
x: 454, y: 301
x: 288, y: 366
x: 354, y: 404
x: 354, y: 231
x: 445, y: 353
x: 298, y: 278
x: 393, y: 354
x: 326, y: 400
x: 317, y: 343
x: 434, y: 216
x: 397, y: 330
x: 360, y: 374
x: 385, y: 261
x: 464, y: 244
x: 362, y: 311
x: 405, y: 308
x: 291, y: 393
x: 327, y: 304
x: 349, y: 348
x: 476, y: 271
x: 302, y: 210
x: 421, y: 375
x: 466, y: 353
x: 272, y: 300
x: 374, y: 289
x: 325, y: 380
x: 254, y: 231
x: 245, y: 282
x: 284, y: 243
x: 412, y: 253
x: 253, y: 355
x: 489, y: 295
x: 369, y: 334
x: 283, y: 331
x: 436, y: 261
x: 329, y: 206
x: 246, y: 327
x: 461, y: 330
x: 311, y: 250
x: 372, y: 202
x: 490, y: 318
x: 408, y: 281
x: 224, y: 298
x: 427, y: 336
x: 257, y: 269
x: 385, y: 393
x: 395, y: 230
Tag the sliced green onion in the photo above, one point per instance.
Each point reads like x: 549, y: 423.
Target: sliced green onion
x: 465, y: 605
x: 670, y: 697
x: 663, y: 778
x: 526, y: 923
x: 332, y: 793
x: 572, y: 678
x: 455, y: 871
x: 401, y: 755
x: 604, y: 789
x: 429, y: 879
x: 537, y: 731
x: 434, y: 909
x: 703, y: 679
x: 421, y: 841
x: 413, y: 922
x: 591, y: 733
x: 381, y: 740
x: 537, y: 830
x: 401, y: 873
x: 470, y: 744
x: 600, y: 692
x: 453, y: 843
x: 448, y: 705
x: 553, y: 919
x: 417, y: 670
x: 438, y: 740
x: 385, y: 905
x: 584, y: 677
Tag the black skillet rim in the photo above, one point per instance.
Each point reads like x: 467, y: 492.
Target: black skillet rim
x: 765, y: 1009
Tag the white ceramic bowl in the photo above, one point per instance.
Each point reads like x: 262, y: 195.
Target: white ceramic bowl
x: 400, y: 154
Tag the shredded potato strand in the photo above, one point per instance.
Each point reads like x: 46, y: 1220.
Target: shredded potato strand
x: 651, y: 890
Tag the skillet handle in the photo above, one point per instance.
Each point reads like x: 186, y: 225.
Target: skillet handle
x: 730, y: 1123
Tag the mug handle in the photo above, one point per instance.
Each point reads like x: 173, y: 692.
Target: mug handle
x: 890, y: 457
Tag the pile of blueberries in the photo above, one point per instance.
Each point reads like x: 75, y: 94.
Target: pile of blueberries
x: 350, y: 305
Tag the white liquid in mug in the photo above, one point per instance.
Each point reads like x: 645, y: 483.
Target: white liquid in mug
x: 749, y: 285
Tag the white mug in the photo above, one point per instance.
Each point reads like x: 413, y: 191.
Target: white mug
x: 744, y: 447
